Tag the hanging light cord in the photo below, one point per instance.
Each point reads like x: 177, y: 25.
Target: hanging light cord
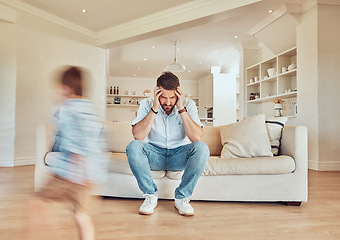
x: 175, y: 51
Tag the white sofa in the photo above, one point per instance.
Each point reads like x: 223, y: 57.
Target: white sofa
x: 270, y: 179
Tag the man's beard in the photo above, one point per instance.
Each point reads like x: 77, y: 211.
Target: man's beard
x: 168, y: 108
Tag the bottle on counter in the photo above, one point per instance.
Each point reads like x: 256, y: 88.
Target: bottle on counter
x: 110, y: 90
x: 114, y: 90
x: 117, y: 90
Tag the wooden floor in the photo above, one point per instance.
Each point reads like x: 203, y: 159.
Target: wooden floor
x: 116, y: 218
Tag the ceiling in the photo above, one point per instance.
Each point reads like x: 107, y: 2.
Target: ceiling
x: 205, y: 42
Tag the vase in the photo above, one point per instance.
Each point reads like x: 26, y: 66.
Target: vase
x: 278, y: 110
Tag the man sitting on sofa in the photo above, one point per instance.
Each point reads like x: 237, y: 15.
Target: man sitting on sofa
x: 170, y: 125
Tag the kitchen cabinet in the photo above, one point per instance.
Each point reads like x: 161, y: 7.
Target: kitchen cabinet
x: 205, y: 93
x: 217, y: 97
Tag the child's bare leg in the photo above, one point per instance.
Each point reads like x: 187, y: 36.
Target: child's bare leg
x: 84, y: 225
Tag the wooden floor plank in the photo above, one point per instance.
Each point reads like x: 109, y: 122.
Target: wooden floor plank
x: 117, y: 218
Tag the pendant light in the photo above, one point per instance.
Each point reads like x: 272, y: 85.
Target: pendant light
x: 175, y: 67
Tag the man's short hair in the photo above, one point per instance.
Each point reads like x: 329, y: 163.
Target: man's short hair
x: 168, y: 81
x: 72, y: 77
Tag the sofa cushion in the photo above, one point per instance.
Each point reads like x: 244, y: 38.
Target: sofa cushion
x: 51, y: 158
x: 119, y: 136
x: 218, y: 166
x: 249, y: 166
x: 119, y: 163
x: 248, y: 138
x: 212, y: 137
x: 174, y: 174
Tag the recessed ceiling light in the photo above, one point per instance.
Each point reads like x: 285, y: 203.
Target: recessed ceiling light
x: 189, y: 71
x: 270, y: 11
x: 199, y: 62
x: 153, y: 47
x: 235, y: 36
x: 135, y: 75
x: 83, y: 11
x: 144, y: 59
x: 139, y: 68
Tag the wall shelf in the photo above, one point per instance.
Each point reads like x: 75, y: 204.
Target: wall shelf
x: 254, y: 84
x: 127, y: 96
x: 289, y: 73
x: 272, y: 79
x: 124, y: 99
x: 270, y: 98
x: 282, y: 84
x: 121, y: 105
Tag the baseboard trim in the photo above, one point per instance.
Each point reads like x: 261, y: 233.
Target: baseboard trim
x: 6, y: 163
x: 324, y: 166
x: 313, y: 165
x: 23, y: 161
x: 329, y: 166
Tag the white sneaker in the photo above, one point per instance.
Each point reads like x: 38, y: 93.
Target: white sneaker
x: 183, y: 206
x: 149, y: 204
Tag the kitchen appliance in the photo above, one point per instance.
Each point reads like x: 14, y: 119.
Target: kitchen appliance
x: 210, y: 112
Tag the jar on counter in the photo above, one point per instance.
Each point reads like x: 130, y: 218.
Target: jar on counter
x: 252, y: 96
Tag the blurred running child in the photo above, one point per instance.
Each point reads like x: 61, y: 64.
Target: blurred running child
x: 78, y: 159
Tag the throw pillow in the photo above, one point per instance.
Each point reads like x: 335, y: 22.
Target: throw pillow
x: 248, y: 138
x: 211, y: 136
x: 119, y: 135
x: 274, y: 128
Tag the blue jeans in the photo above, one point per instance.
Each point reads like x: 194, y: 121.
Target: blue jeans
x: 144, y: 157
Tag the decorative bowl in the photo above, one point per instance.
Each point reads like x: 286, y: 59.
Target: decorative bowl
x: 271, y: 72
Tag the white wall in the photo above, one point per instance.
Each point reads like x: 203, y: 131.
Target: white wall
x: 224, y: 98
x: 138, y: 85
x: 329, y: 86
x: 7, y: 92
x: 249, y: 58
x: 318, y: 59
x: 280, y: 34
x: 307, y: 83
x: 41, y: 48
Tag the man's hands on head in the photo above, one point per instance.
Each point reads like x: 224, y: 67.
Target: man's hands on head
x: 167, y: 99
x: 141, y: 130
x: 156, y: 94
x: 193, y: 131
x: 179, y: 95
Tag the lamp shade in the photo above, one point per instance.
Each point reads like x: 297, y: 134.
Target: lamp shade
x: 175, y: 67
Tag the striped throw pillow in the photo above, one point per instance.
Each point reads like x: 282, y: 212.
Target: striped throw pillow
x: 274, y: 128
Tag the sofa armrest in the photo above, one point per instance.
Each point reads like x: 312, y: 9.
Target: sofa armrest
x: 294, y: 143
x: 43, y: 146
